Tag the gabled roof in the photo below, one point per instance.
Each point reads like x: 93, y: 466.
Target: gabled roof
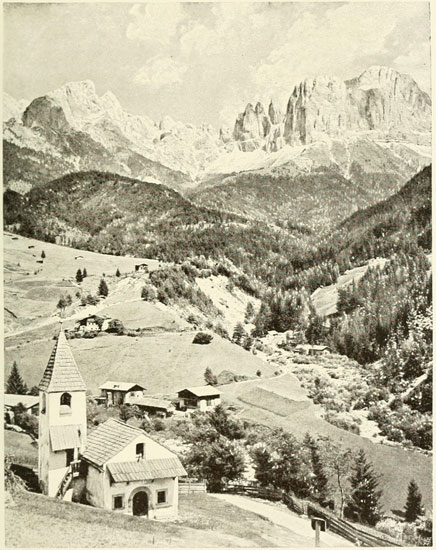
x: 312, y: 346
x: 152, y: 402
x: 120, y: 386
x: 12, y: 400
x: 108, y: 439
x: 202, y: 391
x: 138, y: 470
x: 61, y: 372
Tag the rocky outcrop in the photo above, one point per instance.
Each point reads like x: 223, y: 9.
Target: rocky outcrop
x: 380, y: 103
x: 254, y: 128
x: 74, y: 122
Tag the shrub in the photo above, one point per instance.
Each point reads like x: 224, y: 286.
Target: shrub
x: 148, y: 293
x: 158, y: 425
x: 202, y: 338
x: 221, y: 331
x: 115, y: 326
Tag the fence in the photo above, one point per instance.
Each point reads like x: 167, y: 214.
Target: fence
x: 358, y: 534
x: 189, y: 486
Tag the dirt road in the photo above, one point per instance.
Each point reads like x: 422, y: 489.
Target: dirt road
x: 301, y: 533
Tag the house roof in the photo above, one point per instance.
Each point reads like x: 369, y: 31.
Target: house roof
x: 202, y: 391
x: 146, y: 469
x: 108, y: 439
x: 61, y: 372
x: 65, y: 437
x: 12, y: 400
x: 152, y: 402
x: 312, y: 346
x: 120, y: 386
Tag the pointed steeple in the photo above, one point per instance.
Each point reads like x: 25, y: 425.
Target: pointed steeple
x: 61, y: 372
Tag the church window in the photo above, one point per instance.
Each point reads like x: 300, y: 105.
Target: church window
x: 66, y: 399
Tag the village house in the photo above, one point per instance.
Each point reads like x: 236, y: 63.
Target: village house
x: 203, y: 398
x: 11, y: 400
x: 92, y: 323
x: 309, y: 349
x: 120, y: 393
x: 122, y: 468
x: 141, y: 268
x: 129, y: 472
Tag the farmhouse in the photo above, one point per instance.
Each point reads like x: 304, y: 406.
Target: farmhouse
x: 120, y: 393
x: 121, y: 467
x: 203, y: 398
x: 11, y: 400
x: 129, y: 472
x: 308, y: 349
x: 141, y: 267
x: 92, y: 323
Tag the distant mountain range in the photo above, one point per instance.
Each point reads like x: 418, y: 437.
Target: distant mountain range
x: 357, y: 141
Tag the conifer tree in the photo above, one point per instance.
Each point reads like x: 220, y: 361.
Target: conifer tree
x: 15, y: 383
x: 43, y: 255
x: 239, y: 334
x: 365, y: 495
x: 414, y: 502
x: 103, y: 288
x: 118, y: 273
x: 84, y: 273
x: 249, y: 312
x: 79, y: 276
x: 209, y: 377
x: 320, y: 479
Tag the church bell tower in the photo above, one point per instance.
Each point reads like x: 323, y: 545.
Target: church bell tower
x: 62, y: 418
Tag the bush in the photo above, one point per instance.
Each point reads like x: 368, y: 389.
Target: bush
x: 115, y: 326
x: 158, y: 425
x: 148, y: 293
x: 202, y: 338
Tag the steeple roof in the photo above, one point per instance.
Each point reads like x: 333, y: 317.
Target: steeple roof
x: 61, y: 372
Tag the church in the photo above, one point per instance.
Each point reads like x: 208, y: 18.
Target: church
x: 121, y: 468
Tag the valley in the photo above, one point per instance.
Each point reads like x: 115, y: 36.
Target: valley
x: 285, y: 263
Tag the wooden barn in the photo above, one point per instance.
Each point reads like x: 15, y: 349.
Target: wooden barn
x: 203, y: 398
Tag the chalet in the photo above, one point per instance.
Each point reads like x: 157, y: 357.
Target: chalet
x: 11, y: 400
x: 309, y: 349
x: 120, y: 393
x: 127, y: 471
x: 119, y: 467
x: 92, y: 323
x: 142, y: 268
x: 154, y: 406
x: 203, y: 398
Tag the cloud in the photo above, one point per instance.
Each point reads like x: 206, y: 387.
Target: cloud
x: 160, y: 71
x: 230, y: 24
x: 155, y: 22
x: 417, y: 63
x: 323, y: 44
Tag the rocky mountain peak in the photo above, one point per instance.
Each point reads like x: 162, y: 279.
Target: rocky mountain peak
x: 380, y: 101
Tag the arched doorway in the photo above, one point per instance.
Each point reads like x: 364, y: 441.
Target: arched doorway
x: 140, y: 504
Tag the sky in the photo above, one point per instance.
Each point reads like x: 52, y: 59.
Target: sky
x: 203, y: 62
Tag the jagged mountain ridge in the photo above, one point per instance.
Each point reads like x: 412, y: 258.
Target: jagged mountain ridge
x: 380, y: 103
x: 75, y: 127
x: 377, y: 124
